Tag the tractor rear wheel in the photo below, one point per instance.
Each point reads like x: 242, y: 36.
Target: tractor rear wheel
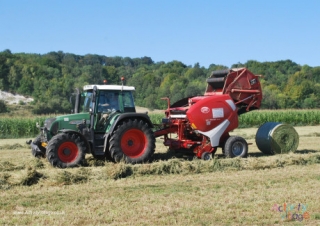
x: 37, y: 141
x: 236, y: 147
x: 66, y: 150
x: 132, y: 141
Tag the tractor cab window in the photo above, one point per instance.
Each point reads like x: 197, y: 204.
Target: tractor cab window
x: 108, y: 101
x: 128, y: 103
x: 86, y: 101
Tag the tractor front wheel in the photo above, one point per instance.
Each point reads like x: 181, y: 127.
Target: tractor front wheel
x: 132, y: 141
x: 236, y: 147
x: 66, y: 150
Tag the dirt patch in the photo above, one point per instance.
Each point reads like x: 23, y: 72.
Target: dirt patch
x: 14, y: 98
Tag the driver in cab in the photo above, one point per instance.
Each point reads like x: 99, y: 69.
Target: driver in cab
x: 108, y: 101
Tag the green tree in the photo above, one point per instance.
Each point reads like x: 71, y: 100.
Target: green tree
x: 3, y: 107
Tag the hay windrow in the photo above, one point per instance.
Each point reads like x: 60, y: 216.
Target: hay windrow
x: 35, y: 172
x: 8, y: 166
x: 65, y: 177
x: 175, y: 166
x: 4, y: 181
x: 11, y: 147
x: 31, y: 177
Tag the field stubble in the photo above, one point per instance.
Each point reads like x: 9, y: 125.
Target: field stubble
x: 170, y: 191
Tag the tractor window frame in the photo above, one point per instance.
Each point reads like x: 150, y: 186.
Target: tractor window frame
x: 86, y: 101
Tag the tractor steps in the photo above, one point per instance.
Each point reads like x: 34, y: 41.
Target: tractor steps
x: 99, y: 144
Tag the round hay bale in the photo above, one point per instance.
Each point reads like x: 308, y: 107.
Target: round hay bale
x: 276, y: 138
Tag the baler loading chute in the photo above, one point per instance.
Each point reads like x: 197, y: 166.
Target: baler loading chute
x: 203, y: 123
x: 241, y: 84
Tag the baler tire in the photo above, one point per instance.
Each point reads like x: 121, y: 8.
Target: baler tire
x: 132, y: 141
x: 206, y: 156
x: 236, y: 147
x: 66, y: 150
x: 37, y: 141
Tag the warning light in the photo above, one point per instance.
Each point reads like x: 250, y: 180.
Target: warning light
x: 105, y: 81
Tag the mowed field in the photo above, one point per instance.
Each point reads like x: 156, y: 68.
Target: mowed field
x: 174, y: 189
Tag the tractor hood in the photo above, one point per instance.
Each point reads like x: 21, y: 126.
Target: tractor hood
x: 71, y: 121
x: 53, y: 125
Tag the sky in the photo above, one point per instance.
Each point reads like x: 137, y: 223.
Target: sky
x: 221, y: 32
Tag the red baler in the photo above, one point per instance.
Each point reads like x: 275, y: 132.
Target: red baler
x: 202, y: 123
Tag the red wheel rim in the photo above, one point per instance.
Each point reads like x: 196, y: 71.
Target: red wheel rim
x: 133, y: 143
x: 67, y: 152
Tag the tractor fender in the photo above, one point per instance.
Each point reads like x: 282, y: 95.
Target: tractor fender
x: 70, y: 131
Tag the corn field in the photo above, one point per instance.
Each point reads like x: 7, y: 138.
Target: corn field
x: 290, y: 116
x: 18, y: 127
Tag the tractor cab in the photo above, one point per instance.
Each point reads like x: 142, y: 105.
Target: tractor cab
x: 107, y: 98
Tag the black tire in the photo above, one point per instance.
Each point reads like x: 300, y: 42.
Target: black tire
x: 206, y: 156
x: 66, y: 150
x: 37, y: 141
x: 132, y: 141
x: 236, y: 147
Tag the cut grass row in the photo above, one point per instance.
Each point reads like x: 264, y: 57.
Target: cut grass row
x: 36, y: 171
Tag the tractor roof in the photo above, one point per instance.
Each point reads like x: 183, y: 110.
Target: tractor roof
x: 109, y: 87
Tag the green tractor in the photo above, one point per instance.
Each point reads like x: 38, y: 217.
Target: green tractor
x: 104, y: 123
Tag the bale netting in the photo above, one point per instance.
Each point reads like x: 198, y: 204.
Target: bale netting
x: 277, y: 138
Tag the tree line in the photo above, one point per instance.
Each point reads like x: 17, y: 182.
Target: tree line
x: 51, y: 78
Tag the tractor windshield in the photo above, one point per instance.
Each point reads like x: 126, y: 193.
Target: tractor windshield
x: 107, y: 100
x: 86, y: 101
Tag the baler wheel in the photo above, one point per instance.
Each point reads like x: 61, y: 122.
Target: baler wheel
x: 66, y: 150
x: 37, y: 141
x: 206, y: 156
x: 236, y: 147
x: 132, y: 141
